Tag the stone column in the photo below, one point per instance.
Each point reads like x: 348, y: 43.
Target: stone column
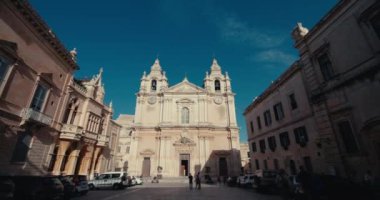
x: 94, y: 160
x: 85, y: 165
x: 99, y: 164
x: 63, y: 146
x: 72, y: 161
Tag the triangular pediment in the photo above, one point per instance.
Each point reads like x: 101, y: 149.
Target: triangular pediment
x: 185, y: 87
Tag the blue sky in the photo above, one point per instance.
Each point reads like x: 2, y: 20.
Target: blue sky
x: 250, y: 39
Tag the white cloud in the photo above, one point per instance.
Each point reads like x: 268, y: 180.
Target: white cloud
x: 232, y: 29
x: 274, y: 56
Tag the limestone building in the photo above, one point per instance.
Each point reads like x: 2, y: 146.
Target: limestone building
x: 185, y: 128
x: 245, y: 158
x: 109, y: 157
x: 123, y: 152
x: 335, y: 97
x: 341, y: 63
x: 281, y: 130
x: 35, y: 70
x: 85, y: 133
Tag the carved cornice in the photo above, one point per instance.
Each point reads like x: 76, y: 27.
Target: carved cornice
x: 43, y: 30
x: 147, y: 152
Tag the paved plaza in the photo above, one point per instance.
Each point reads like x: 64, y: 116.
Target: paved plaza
x: 176, y: 191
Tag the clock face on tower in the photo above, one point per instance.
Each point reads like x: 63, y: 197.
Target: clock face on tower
x: 152, y: 99
x: 218, y: 100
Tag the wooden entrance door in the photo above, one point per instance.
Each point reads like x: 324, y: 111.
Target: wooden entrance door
x: 146, y: 167
x: 184, y: 164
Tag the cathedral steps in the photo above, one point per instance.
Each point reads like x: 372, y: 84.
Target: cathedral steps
x: 181, y: 179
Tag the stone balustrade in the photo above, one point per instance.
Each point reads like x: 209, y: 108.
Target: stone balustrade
x: 71, y: 132
x: 30, y: 114
x: 91, y: 135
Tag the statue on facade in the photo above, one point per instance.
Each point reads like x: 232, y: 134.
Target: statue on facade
x: 73, y: 54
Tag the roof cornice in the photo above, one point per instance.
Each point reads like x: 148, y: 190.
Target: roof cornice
x: 24, y: 9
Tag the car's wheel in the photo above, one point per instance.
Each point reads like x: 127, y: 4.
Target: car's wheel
x: 116, y: 186
x: 91, y: 186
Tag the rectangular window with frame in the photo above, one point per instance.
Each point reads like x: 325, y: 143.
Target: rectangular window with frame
x: 300, y: 134
x: 258, y: 122
x: 293, y: 102
x: 276, y: 164
x: 253, y: 145
x: 325, y: 66
x: 128, y: 149
x: 267, y: 118
x: 265, y: 164
x: 348, y: 137
x: 4, y: 66
x: 307, y: 163
x: 251, y: 126
x: 5, y: 70
x: 249, y: 154
x: 278, y: 111
x: 257, y: 164
x: 39, y: 98
x: 262, y: 146
x: 272, y: 143
x: 284, y: 140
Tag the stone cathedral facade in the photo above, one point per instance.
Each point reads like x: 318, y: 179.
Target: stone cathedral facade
x: 185, y: 128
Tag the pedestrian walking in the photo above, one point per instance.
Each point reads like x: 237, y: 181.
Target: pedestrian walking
x: 191, y: 181
x: 198, y: 181
x: 224, y: 180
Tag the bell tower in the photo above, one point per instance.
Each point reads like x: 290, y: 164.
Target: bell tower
x: 216, y: 82
x: 155, y: 81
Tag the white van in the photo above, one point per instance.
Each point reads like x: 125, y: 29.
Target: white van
x: 115, y: 180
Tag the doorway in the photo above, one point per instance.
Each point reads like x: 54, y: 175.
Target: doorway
x: 223, y: 170
x: 146, y: 167
x: 184, y: 164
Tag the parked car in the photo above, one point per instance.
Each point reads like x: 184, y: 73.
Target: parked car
x: 114, y: 180
x: 333, y: 187
x: 7, y: 188
x: 68, y: 187
x: 248, y: 180
x: 265, y: 181
x: 240, y: 180
x: 137, y: 180
x: 81, y: 183
x: 231, y: 181
x: 38, y: 187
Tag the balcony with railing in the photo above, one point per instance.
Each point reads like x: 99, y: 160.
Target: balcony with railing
x: 79, y: 86
x: 71, y: 132
x: 30, y: 114
x: 103, y: 140
x: 91, y: 135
